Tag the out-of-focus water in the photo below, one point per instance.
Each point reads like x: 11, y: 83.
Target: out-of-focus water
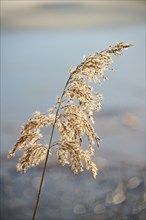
x: 34, y: 69
x: 39, y: 43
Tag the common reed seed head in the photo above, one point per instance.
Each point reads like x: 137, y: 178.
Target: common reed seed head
x: 72, y: 116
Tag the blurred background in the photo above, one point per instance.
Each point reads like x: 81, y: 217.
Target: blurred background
x: 40, y: 42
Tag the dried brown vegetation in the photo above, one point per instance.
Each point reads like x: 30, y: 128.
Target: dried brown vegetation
x: 72, y: 116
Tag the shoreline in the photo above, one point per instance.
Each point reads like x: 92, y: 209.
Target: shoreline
x: 71, y: 15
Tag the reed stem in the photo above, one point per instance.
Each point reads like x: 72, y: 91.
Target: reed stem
x: 47, y: 155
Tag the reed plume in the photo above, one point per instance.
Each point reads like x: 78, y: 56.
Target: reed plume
x: 72, y: 116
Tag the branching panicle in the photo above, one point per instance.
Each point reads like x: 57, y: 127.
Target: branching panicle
x: 72, y: 116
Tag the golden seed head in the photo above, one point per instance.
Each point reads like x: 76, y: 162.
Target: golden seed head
x: 72, y: 116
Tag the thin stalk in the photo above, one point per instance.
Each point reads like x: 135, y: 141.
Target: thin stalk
x: 47, y: 155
